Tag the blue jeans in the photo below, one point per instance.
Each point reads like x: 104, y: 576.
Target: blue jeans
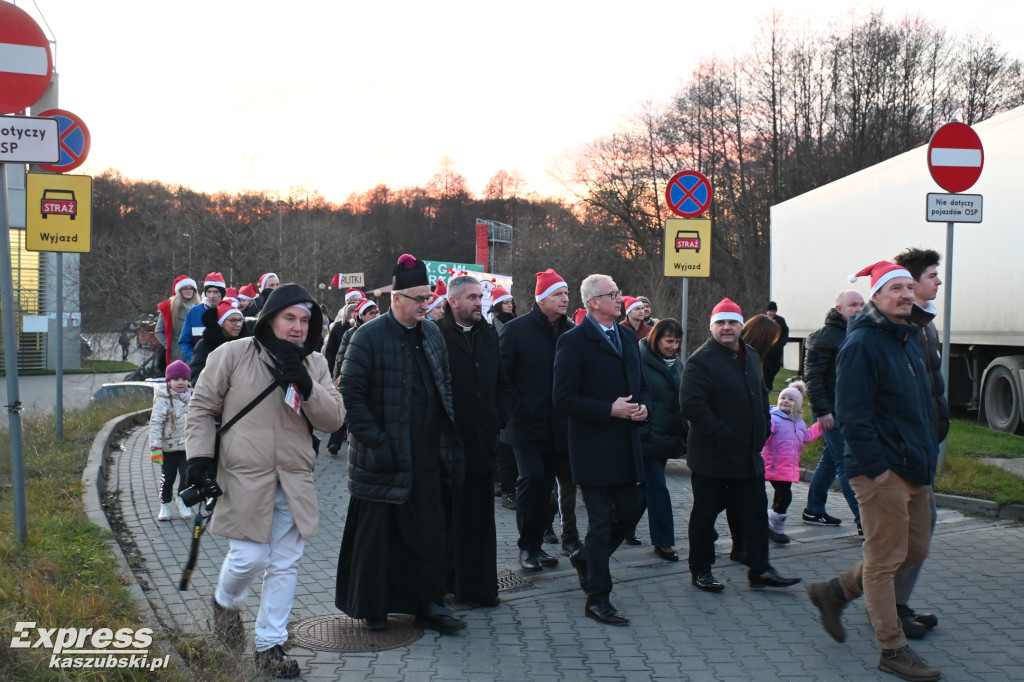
x: 657, y: 502
x: 829, y: 466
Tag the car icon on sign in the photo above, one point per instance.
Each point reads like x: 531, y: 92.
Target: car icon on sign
x: 59, y: 202
x: 688, y: 239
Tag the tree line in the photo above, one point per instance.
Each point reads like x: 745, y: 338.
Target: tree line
x: 798, y: 110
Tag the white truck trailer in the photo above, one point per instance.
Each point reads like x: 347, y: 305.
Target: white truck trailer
x: 819, y: 238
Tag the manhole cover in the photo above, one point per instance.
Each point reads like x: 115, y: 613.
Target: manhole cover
x: 508, y: 581
x: 341, y: 633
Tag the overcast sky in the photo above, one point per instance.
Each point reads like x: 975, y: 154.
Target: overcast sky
x: 340, y: 96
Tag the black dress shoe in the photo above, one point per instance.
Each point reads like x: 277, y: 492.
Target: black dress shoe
x: 550, y: 537
x: 707, y: 582
x: 632, y: 540
x: 770, y: 578
x: 738, y: 556
x: 375, y: 624
x: 578, y: 562
x: 437, y: 617
x: 546, y: 559
x: 484, y: 603
x: 604, y: 612
x: 570, y: 546
x: 669, y: 555
x: 529, y: 561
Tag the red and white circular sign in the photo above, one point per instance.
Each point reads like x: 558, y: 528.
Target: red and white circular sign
x: 955, y: 157
x: 26, y: 63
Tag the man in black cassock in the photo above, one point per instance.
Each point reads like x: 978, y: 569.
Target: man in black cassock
x: 403, y: 462
x: 479, y: 396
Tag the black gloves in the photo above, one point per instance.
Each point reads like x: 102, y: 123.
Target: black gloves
x: 198, y: 469
x: 297, y: 374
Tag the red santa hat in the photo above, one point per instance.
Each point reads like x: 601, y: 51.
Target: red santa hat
x: 499, y: 295
x: 226, y: 309
x: 364, y: 305
x: 726, y: 310
x: 248, y: 292
x: 215, y: 279
x: 263, y: 279
x: 231, y: 294
x: 628, y: 303
x: 435, y: 301
x: 182, y: 281
x: 353, y: 295
x: 881, y: 272
x: 548, y: 282
x: 577, y: 317
x: 441, y: 289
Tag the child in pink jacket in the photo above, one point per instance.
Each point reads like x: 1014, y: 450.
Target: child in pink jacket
x: 782, y: 455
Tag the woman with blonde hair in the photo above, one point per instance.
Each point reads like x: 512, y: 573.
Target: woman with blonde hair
x: 172, y: 317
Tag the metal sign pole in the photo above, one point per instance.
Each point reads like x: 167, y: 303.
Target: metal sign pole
x: 11, y: 367
x: 686, y: 303
x: 947, y: 309
x: 60, y: 346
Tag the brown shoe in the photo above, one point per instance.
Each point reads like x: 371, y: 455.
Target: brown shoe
x: 828, y: 598
x: 907, y: 665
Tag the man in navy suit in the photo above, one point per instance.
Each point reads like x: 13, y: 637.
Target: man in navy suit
x: 599, y: 385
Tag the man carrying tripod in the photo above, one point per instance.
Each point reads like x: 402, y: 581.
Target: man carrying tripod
x: 265, y: 462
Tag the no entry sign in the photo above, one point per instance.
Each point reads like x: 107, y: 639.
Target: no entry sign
x: 74, y: 141
x: 688, y: 194
x: 25, y: 60
x: 955, y: 157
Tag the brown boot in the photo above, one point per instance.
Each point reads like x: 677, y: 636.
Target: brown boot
x: 829, y: 598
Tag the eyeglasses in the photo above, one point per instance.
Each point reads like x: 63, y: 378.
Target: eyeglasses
x: 420, y: 300
x: 371, y: 313
x: 611, y: 294
x: 234, y: 320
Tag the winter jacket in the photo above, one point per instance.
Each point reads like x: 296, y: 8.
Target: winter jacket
x: 480, y: 390
x: 213, y: 338
x: 820, y: 352
x: 330, y: 352
x: 270, y: 446
x: 193, y: 328
x: 931, y: 351
x: 726, y: 403
x: 640, y: 333
x: 374, y: 381
x: 346, y: 339
x: 664, y: 434
x: 781, y: 453
x: 884, y: 400
x: 528, y: 355
x: 167, y: 420
x: 167, y: 329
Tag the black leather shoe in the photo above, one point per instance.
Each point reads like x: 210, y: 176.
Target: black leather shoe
x: 375, y: 624
x: 484, y: 603
x: 604, y: 612
x: 437, y: 617
x: 738, y: 556
x: 577, y: 561
x: 632, y: 540
x: 926, y: 619
x: 770, y: 578
x: 529, y: 561
x: 570, y: 546
x: 546, y: 559
x: 707, y: 582
x: 550, y: 537
x: 669, y: 555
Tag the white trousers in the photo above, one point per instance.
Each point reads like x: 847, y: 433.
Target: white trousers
x: 278, y: 562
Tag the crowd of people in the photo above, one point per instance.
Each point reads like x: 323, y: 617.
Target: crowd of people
x: 444, y: 409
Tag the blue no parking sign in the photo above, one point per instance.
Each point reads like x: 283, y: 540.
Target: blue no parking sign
x: 688, y: 194
x: 74, y: 141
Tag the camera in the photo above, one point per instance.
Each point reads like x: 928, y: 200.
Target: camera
x: 206, y: 489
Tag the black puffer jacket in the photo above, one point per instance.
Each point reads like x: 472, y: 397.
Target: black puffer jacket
x: 664, y: 434
x: 375, y: 385
x: 820, y: 363
x: 726, y: 403
x: 884, y: 400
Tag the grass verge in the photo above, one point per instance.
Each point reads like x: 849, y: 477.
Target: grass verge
x: 64, y: 575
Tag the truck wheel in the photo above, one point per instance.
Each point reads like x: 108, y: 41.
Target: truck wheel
x: 1002, y: 401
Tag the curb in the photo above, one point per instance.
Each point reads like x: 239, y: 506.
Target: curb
x: 94, y: 484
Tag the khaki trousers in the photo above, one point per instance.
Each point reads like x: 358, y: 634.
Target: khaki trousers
x: 897, y: 520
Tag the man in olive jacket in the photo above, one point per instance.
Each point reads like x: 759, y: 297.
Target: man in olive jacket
x: 726, y: 402
x: 265, y: 468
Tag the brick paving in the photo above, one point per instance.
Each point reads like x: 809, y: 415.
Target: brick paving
x: 972, y: 582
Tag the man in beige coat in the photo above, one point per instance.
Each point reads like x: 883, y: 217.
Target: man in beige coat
x: 266, y: 462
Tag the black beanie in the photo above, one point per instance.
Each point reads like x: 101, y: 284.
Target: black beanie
x: 409, y: 273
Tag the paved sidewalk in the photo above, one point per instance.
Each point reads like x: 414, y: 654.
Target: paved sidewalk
x: 972, y: 581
